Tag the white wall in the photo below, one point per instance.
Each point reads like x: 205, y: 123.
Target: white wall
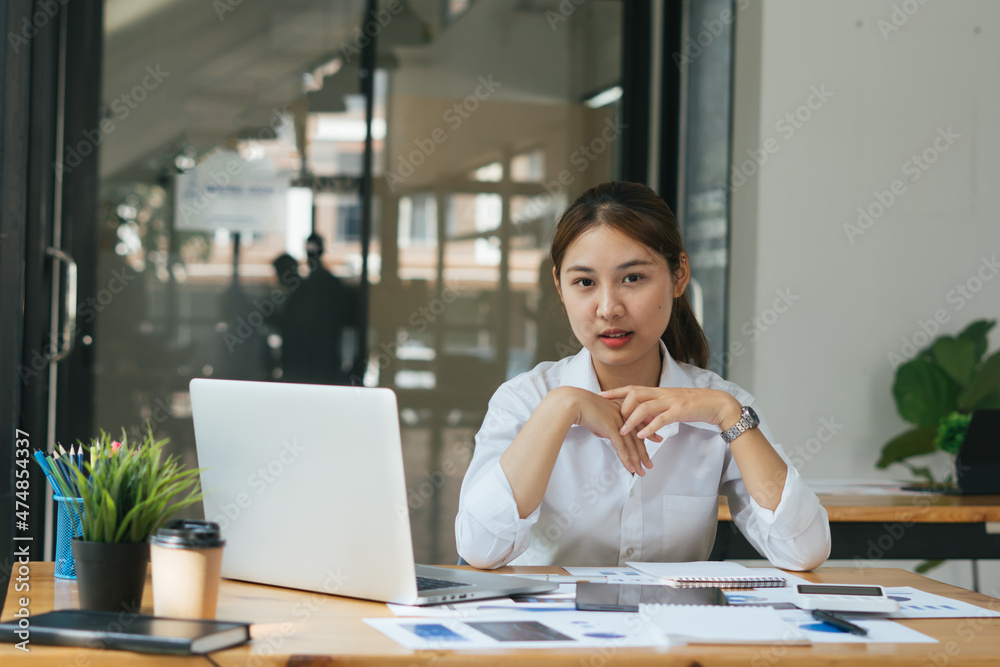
x: 897, y: 82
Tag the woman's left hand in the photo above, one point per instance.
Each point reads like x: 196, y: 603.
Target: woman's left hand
x: 655, y: 407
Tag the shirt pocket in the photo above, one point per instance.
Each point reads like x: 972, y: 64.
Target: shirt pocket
x: 689, y: 524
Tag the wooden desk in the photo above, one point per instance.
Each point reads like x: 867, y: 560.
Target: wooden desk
x: 911, y: 526
x: 294, y: 627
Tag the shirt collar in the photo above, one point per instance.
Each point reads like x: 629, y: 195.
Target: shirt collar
x: 580, y: 372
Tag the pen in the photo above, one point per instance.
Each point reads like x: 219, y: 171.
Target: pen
x: 40, y: 457
x: 841, y: 624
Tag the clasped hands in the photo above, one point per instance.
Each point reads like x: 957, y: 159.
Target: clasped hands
x: 627, y: 416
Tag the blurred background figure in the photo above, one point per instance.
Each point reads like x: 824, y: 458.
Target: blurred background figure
x: 286, y: 268
x: 319, y: 324
x: 241, y: 353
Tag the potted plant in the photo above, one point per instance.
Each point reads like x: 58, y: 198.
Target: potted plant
x: 938, y: 390
x: 125, y: 492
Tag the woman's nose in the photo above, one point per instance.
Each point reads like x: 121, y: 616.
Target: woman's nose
x: 610, y: 306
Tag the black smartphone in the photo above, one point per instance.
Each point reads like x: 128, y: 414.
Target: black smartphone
x: 627, y: 597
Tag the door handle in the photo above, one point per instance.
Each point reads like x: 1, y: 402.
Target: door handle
x: 69, y: 303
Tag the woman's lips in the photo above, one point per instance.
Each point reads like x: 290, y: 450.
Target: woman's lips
x: 616, y: 339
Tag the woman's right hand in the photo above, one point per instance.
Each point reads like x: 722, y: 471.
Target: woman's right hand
x: 603, y: 418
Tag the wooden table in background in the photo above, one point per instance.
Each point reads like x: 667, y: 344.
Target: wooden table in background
x: 299, y: 628
x: 910, y: 526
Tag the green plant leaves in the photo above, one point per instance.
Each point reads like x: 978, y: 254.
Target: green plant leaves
x: 947, y: 376
x: 976, y: 333
x: 914, y: 442
x: 924, y: 393
x: 951, y: 432
x: 984, y: 382
x: 957, y: 358
x: 989, y: 402
x: 131, y: 492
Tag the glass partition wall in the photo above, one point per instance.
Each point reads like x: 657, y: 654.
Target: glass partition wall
x: 235, y: 131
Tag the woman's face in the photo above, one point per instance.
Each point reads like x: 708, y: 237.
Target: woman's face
x: 618, y: 295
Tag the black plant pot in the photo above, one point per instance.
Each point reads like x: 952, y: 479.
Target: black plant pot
x: 110, y: 576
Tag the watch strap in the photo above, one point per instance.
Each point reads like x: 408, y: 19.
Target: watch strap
x: 747, y: 421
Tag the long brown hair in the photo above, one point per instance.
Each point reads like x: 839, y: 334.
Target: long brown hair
x: 643, y: 216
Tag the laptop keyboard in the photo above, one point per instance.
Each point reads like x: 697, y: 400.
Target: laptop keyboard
x: 429, y: 584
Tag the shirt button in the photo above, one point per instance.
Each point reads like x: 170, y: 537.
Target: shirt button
x: 631, y: 494
x: 629, y: 551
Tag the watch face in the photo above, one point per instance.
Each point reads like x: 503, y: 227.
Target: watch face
x: 752, y: 415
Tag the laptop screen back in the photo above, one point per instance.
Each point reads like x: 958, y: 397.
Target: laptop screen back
x: 306, y: 482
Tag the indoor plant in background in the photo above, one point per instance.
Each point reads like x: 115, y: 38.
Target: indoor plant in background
x: 126, y: 490
x: 937, y: 391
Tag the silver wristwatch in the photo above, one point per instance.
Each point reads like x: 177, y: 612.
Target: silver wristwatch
x: 748, y: 421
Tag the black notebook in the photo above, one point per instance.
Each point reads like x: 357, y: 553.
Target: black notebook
x: 112, y: 630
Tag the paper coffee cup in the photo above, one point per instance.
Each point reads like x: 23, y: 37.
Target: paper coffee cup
x: 187, y: 561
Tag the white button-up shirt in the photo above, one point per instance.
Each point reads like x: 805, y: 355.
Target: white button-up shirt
x: 595, y: 512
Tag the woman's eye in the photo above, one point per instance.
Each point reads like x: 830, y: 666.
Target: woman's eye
x: 585, y: 282
x: 633, y: 278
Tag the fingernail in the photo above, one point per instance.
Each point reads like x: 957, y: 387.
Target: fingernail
x: 641, y: 434
x: 622, y: 431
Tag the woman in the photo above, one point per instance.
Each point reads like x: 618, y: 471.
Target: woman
x: 619, y: 453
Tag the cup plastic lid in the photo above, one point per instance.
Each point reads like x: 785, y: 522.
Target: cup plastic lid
x: 188, y: 534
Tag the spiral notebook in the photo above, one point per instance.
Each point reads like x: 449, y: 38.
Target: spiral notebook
x: 725, y: 582
x: 708, y: 574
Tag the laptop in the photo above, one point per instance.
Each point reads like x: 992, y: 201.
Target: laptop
x: 306, y: 483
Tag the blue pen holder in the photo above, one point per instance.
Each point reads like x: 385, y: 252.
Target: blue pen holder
x: 69, y: 516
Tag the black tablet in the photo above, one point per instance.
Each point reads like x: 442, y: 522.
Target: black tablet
x: 627, y: 597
